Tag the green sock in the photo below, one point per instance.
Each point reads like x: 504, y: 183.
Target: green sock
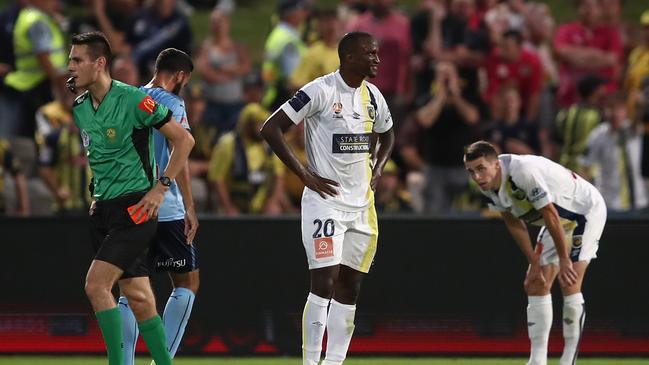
x: 110, y: 324
x: 153, y: 333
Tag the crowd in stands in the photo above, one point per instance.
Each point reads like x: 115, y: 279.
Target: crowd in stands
x: 452, y: 72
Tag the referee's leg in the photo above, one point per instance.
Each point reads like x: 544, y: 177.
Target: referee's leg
x: 99, y: 281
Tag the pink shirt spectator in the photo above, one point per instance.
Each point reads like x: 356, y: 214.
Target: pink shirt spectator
x: 525, y: 74
x: 604, y: 38
x: 395, y: 48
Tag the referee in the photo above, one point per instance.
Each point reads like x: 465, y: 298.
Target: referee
x: 115, y: 121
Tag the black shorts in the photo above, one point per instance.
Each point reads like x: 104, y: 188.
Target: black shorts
x: 116, y: 238
x: 170, y: 251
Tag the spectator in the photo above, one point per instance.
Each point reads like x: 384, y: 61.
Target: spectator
x: 574, y: 124
x: 61, y: 158
x: 540, y: 26
x: 8, y: 18
x: 243, y: 168
x: 159, y: 26
x: 448, y: 120
x: 123, y: 69
x: 615, y: 147
x: 638, y: 70
x: 513, y: 133
x: 586, y: 47
x: 508, y: 15
x: 283, y: 51
x: 421, y: 33
x: 512, y: 65
x: 390, y: 196
x: 10, y: 164
x: 222, y: 64
x: 115, y: 19
x: 39, y: 46
x: 293, y: 185
x: 410, y: 145
x: 391, y: 29
x: 458, y: 37
x: 348, y: 10
x: 321, y: 57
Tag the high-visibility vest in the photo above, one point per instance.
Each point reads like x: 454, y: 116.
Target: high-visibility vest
x: 277, y: 40
x: 28, y: 72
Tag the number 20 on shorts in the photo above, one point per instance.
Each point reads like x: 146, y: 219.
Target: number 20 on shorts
x: 322, y: 241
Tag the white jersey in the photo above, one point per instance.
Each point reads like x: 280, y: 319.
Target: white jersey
x: 339, y: 123
x: 529, y: 183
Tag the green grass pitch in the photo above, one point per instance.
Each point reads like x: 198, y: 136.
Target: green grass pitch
x: 77, y: 360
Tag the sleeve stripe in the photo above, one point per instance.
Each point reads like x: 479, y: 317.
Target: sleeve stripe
x: 164, y: 120
x: 373, y: 100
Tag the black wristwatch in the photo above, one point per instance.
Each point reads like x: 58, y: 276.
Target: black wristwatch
x: 165, y: 181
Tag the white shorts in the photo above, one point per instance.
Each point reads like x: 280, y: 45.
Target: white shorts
x: 332, y: 236
x: 582, y: 236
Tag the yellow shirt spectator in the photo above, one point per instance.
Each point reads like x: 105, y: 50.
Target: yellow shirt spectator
x: 637, y: 72
x: 242, y: 166
x: 318, y: 60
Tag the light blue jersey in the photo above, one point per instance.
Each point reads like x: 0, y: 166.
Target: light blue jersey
x: 172, y: 207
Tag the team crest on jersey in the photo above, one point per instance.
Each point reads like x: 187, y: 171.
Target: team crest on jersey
x: 371, y: 113
x: 518, y: 194
x: 110, y: 133
x: 576, y: 241
x: 85, y: 138
x: 337, y: 108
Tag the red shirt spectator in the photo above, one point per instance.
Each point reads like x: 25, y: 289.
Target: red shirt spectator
x: 392, y: 30
x: 513, y: 66
x: 586, y: 47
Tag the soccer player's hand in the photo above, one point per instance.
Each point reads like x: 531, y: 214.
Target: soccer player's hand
x: 567, y: 274
x: 375, y: 179
x: 319, y: 184
x: 535, y: 272
x: 149, y: 205
x: 191, y: 225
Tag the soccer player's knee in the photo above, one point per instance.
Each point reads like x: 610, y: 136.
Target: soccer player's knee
x: 323, y: 287
x: 536, y: 288
x: 347, y: 293
x: 94, y: 289
x: 191, y: 282
x: 138, y: 300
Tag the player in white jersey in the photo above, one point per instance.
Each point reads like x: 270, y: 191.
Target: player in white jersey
x: 345, y: 116
x: 572, y: 213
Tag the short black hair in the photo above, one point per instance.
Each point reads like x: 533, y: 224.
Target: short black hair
x: 349, y: 42
x: 173, y: 60
x: 515, y: 34
x: 480, y: 149
x: 97, y: 43
x: 588, y: 84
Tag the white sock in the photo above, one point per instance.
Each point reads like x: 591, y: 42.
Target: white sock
x: 539, y: 322
x: 314, y: 320
x: 574, y: 316
x: 340, y: 327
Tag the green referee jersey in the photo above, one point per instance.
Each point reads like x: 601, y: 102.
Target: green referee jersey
x: 118, y: 139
